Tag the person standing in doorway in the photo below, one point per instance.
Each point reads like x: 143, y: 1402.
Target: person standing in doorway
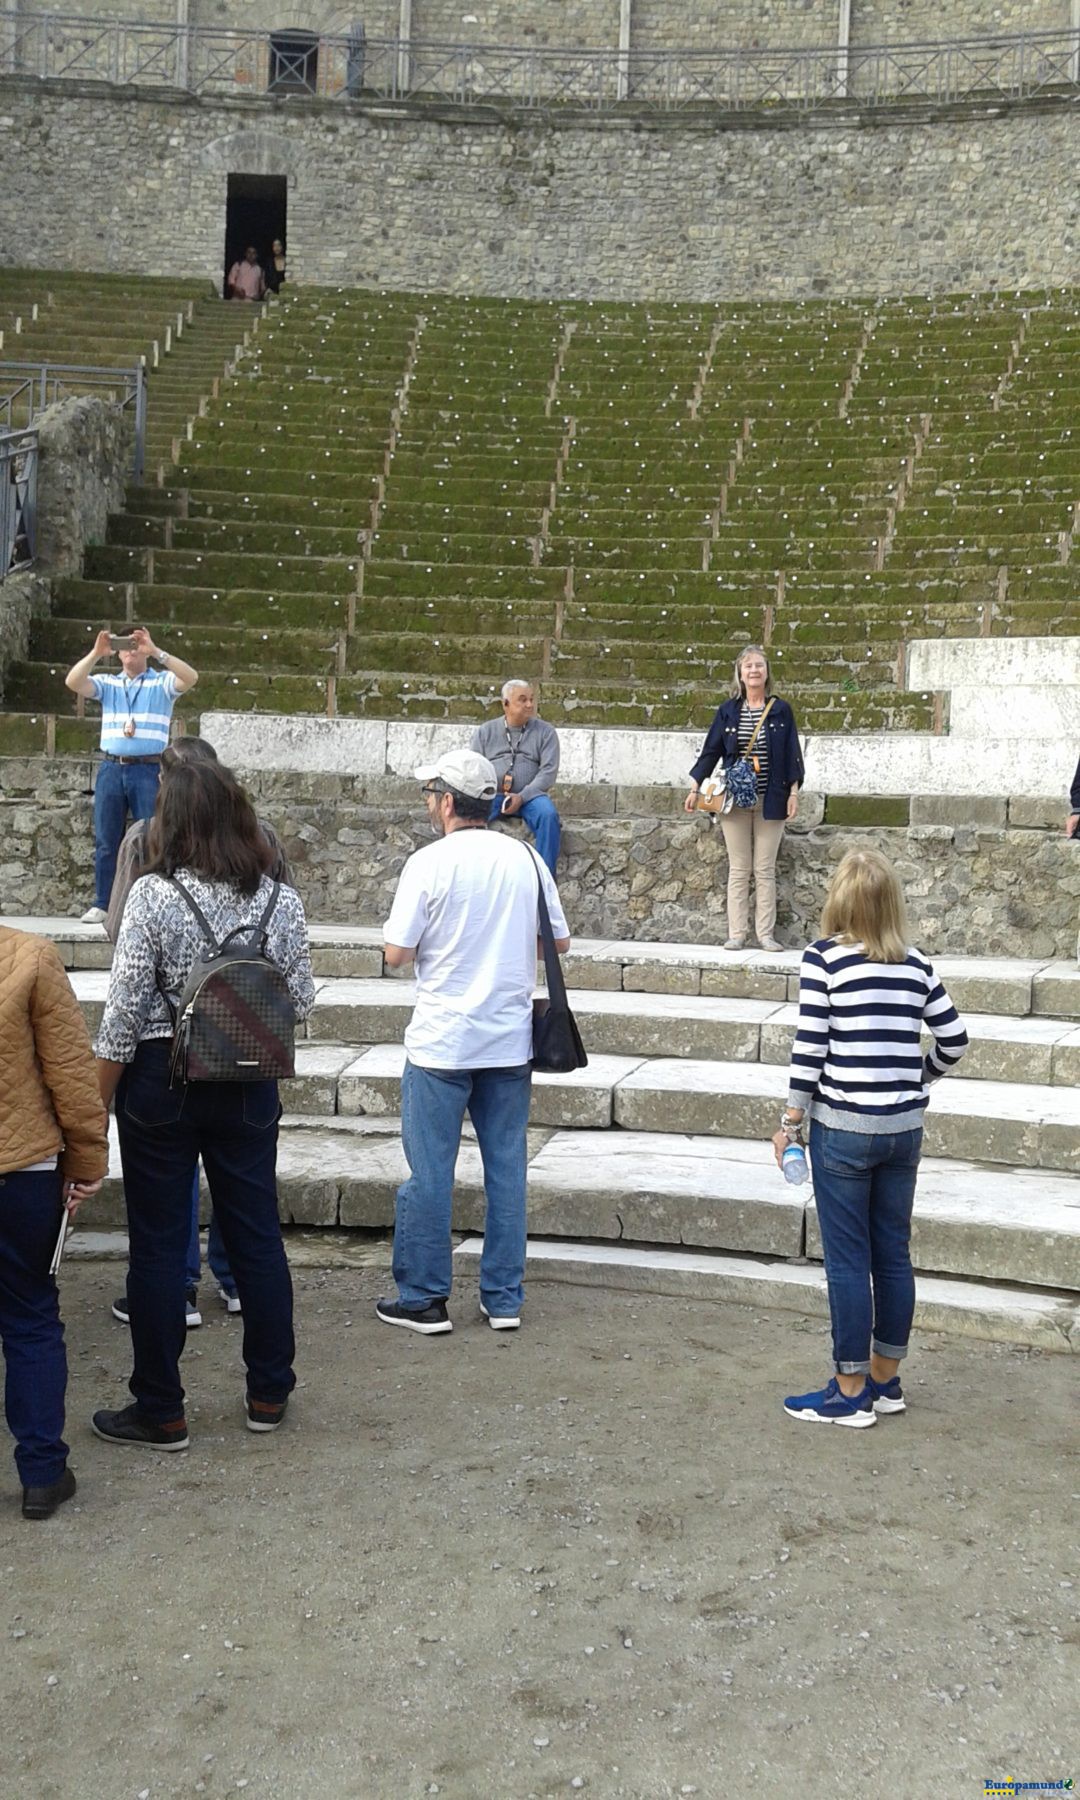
x: 524, y: 750
x: 466, y: 909
x: 276, y: 268
x: 246, y: 280
x: 136, y: 711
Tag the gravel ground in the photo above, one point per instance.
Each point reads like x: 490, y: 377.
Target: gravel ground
x: 592, y: 1557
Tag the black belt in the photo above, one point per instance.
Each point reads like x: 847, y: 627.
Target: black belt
x: 109, y: 757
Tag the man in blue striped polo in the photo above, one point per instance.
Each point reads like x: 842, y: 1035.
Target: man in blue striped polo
x: 136, y: 709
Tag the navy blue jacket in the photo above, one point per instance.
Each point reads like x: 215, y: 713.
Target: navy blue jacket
x: 1074, y: 791
x: 785, y: 758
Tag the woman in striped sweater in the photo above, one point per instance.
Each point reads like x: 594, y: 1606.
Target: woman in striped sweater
x: 859, y: 1074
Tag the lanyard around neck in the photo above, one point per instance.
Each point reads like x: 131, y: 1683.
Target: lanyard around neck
x: 131, y: 703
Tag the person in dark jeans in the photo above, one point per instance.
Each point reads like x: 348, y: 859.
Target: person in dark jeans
x: 54, y: 1152
x: 136, y: 852
x: 858, y: 1070
x: 208, y: 841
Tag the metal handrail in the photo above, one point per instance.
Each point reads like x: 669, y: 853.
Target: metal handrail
x: 26, y: 389
x: 18, y: 500
x: 208, y: 59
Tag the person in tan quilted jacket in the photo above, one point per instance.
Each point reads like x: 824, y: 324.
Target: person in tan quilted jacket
x: 53, y: 1153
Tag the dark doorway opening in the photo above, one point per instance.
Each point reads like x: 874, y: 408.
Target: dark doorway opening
x: 255, y: 209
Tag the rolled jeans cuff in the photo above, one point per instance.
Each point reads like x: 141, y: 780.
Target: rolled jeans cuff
x: 853, y: 1368
x: 895, y: 1352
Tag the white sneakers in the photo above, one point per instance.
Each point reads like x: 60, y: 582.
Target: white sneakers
x: 94, y: 915
x: 501, y: 1321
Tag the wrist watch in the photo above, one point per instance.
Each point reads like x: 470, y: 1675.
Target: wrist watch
x: 163, y: 658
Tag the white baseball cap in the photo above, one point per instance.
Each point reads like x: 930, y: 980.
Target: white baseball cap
x: 466, y: 771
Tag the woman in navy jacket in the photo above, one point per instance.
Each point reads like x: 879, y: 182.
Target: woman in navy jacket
x: 752, y: 834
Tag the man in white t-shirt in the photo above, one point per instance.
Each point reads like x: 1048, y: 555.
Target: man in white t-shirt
x: 466, y: 910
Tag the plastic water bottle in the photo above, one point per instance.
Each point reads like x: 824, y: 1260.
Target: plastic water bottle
x: 794, y: 1165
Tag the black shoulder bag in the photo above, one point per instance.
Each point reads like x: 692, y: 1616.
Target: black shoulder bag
x: 557, y: 1045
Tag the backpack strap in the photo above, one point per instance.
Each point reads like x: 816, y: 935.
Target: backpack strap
x: 269, y: 909
x: 194, y: 907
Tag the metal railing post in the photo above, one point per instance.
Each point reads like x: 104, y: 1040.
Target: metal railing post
x: 139, y: 462
x: 1074, y: 59
x: 843, y: 49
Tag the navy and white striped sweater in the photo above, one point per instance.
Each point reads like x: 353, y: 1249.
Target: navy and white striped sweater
x: 857, y: 1061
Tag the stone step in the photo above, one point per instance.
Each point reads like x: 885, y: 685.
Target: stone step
x: 672, y: 1189
x: 1000, y: 1314
x: 376, y: 1011
x: 1001, y: 987
x: 1026, y: 1125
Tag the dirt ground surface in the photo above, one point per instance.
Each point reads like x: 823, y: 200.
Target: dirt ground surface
x: 592, y: 1557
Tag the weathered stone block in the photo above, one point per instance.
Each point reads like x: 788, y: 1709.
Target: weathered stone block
x: 314, y: 1088
x: 740, y: 982
x: 645, y: 977
x: 1030, y: 813
x: 1056, y: 990
x: 958, y: 809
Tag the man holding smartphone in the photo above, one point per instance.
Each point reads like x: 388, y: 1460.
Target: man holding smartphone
x: 136, y: 711
x: 524, y: 751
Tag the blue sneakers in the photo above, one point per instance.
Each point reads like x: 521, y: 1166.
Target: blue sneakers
x: 888, y: 1396
x: 830, y: 1407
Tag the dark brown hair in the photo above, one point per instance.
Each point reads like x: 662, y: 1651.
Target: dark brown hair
x: 206, y: 823
x: 186, y: 749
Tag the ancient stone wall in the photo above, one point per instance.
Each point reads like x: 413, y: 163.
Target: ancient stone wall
x: 84, y: 451
x: 928, y: 21
x: 84, y: 462
x: 538, y: 209
x: 593, y: 24
x: 974, y: 888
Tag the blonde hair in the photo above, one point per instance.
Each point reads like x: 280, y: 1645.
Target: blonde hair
x: 738, y: 685
x: 865, y: 905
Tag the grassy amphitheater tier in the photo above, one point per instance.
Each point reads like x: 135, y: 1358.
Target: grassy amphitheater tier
x: 179, y: 330
x: 394, y: 500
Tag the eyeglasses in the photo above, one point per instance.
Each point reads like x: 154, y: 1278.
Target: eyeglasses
x: 432, y: 791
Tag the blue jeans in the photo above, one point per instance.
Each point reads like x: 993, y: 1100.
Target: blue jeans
x: 163, y: 1131
x: 215, y: 1249
x: 120, y: 789
x: 30, y: 1327
x: 542, y: 818
x: 864, y: 1188
x: 433, y: 1107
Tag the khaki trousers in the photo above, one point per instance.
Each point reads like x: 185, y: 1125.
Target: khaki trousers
x: 752, y: 846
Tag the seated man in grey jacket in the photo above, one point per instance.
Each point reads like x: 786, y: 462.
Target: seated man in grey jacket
x: 525, y: 753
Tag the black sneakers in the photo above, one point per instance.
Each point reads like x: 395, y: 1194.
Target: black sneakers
x: 264, y: 1415
x: 131, y: 1426
x: 431, y: 1319
x: 42, y: 1502
x: 192, y: 1315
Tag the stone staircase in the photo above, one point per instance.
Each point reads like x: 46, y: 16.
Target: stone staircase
x: 397, y: 498
x: 650, y: 1166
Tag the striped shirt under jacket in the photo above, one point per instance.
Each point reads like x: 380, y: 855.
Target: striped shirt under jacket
x: 857, y: 1062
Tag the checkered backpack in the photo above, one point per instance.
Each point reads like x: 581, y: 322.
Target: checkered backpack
x: 235, y: 1020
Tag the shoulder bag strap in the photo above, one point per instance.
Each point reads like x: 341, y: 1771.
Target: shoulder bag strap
x: 556, y: 986
x: 757, y: 728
